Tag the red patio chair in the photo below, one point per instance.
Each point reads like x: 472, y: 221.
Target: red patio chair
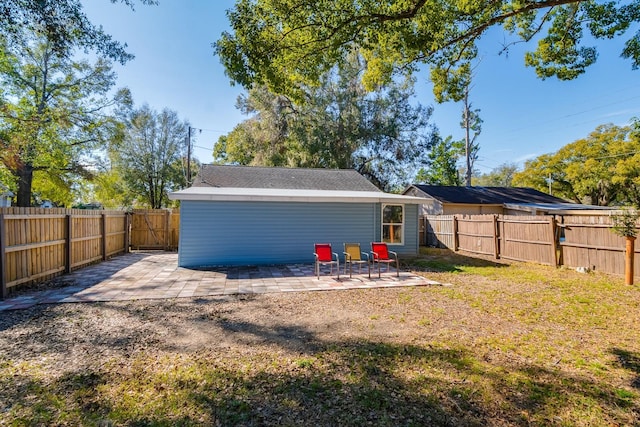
x: 325, y: 256
x: 380, y: 255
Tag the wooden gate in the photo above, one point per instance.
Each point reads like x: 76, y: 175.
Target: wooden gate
x: 155, y: 229
x: 438, y: 230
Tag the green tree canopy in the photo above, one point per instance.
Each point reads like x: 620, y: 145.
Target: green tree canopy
x: 63, y: 24
x: 265, y: 138
x: 289, y: 44
x: 53, y: 112
x: 441, y: 164
x: 341, y: 125
x: 601, y: 169
x: 149, y: 161
x: 502, y: 176
x: 109, y: 188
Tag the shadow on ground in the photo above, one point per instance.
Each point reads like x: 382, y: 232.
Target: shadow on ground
x: 447, y: 261
x: 261, y: 272
x: 80, y: 277
x: 312, y: 381
x: 630, y: 361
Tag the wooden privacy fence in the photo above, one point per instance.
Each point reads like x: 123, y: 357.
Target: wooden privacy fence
x: 589, y: 242
x: 568, y: 240
x: 438, y: 231
x: 38, y: 244
x: 155, y: 229
x: 527, y: 238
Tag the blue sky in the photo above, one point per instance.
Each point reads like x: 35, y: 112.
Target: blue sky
x: 523, y: 116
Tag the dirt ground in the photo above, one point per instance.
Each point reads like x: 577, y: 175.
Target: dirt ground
x: 528, y: 345
x: 69, y: 337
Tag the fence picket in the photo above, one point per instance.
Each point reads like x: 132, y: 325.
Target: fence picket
x: 39, y: 244
x: 564, y: 240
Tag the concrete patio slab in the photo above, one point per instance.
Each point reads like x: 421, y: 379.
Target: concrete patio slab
x: 156, y: 275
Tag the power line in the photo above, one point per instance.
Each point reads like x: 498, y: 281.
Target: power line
x: 213, y: 130
x: 566, y: 116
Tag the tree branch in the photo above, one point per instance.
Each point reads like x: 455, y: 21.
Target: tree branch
x: 472, y: 33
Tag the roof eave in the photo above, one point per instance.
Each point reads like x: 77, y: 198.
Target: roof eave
x: 319, y: 197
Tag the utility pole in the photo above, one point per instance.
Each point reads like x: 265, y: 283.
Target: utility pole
x: 189, y: 157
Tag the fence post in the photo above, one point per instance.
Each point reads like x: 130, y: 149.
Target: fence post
x: 103, y: 231
x: 554, y: 251
x: 127, y: 231
x: 426, y: 230
x: 3, y: 257
x: 496, y: 247
x: 629, y: 258
x: 167, y: 240
x: 455, y: 233
x: 68, y: 235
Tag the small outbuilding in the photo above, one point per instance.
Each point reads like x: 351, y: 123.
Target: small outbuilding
x: 5, y: 196
x: 242, y: 215
x: 450, y: 200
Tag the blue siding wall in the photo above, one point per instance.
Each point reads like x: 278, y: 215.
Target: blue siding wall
x: 411, y: 232
x: 251, y: 233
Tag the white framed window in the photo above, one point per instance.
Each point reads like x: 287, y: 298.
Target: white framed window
x: 393, y: 224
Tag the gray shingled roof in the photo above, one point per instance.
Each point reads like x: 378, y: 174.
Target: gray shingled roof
x: 487, y: 195
x: 282, y: 178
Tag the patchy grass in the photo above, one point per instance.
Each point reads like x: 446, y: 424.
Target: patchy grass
x: 506, y: 344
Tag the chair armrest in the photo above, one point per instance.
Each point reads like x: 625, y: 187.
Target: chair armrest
x: 394, y: 253
x: 374, y: 255
x: 336, y: 255
x: 365, y: 254
x: 347, y: 257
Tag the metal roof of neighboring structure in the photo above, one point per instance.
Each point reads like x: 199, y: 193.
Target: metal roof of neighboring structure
x: 290, y: 195
x: 486, y: 195
x: 224, y: 176
x: 561, y: 208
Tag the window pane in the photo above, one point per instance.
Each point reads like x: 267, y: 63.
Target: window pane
x: 392, y: 214
x: 392, y: 233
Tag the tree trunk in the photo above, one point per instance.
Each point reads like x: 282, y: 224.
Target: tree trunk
x: 25, y: 179
x: 467, y: 139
